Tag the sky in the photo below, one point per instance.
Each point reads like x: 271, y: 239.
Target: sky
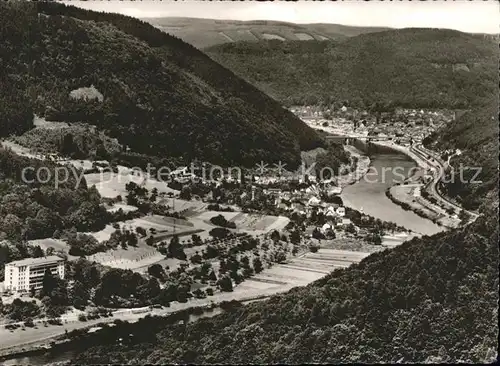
x: 476, y: 16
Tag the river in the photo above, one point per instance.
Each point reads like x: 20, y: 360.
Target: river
x: 39, y: 358
x: 368, y: 194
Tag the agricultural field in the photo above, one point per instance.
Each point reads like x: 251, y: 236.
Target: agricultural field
x: 187, y: 208
x: 298, y: 271
x: 260, y: 223
x: 159, y: 224
x: 125, y: 208
x: 272, y: 36
x: 304, y: 36
x: 397, y: 239
x: 130, y: 258
x: 57, y: 244
x: 112, y: 185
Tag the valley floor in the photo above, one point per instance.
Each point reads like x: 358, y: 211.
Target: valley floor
x: 280, y: 278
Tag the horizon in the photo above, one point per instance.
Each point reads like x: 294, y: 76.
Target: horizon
x: 469, y: 17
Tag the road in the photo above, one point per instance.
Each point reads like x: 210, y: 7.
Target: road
x: 434, y: 164
x: 438, y: 167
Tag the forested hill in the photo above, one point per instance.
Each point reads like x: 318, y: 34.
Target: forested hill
x: 432, y: 299
x: 204, y: 33
x: 475, y: 134
x: 160, y: 95
x: 408, y: 67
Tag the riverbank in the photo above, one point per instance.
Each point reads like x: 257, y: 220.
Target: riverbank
x: 65, y: 342
x: 406, y: 203
x: 437, y: 210
x: 362, y: 166
x: 58, y: 343
x: 368, y: 195
x: 402, y: 195
x: 300, y: 270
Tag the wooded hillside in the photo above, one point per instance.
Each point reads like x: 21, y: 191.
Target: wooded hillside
x: 411, y: 67
x: 161, y: 96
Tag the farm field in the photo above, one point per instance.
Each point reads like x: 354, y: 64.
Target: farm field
x: 111, y: 185
x: 57, y: 244
x: 298, y: 271
x: 160, y: 224
x: 188, y: 208
x: 397, y: 239
x: 124, y: 207
x: 260, y: 223
x: 207, y: 215
x: 130, y: 258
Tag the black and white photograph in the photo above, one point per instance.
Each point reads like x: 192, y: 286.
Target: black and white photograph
x: 249, y: 182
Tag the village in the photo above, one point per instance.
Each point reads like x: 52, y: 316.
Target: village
x: 403, y: 126
x: 234, y: 235
x: 173, y: 225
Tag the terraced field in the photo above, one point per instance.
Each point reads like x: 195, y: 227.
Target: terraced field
x: 299, y: 271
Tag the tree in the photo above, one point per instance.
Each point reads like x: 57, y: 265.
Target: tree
x: 313, y: 248
x: 196, y: 258
x: 37, y: 252
x: 157, y: 271
x: 464, y: 217
x: 12, y: 225
x: 295, y: 237
x: 374, y: 238
x: 141, y: 231
x: 219, y: 232
x: 154, y: 194
x: 225, y: 284
x: 316, y: 234
x: 257, y: 265
x: 196, y: 239
x: 212, y: 276
x: 350, y: 228
x: 248, y: 272
x: 175, y: 249
x: 185, y: 194
x: 275, y: 236
x: 199, y: 294
x: 48, y: 283
x: 68, y: 146
x: 220, y: 220
x: 79, y: 295
x: 279, y: 257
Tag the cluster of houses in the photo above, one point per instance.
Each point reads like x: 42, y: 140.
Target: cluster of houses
x: 412, y: 125
x: 403, y: 125
x: 307, y: 203
x: 307, y: 111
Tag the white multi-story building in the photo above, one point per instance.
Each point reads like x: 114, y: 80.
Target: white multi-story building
x: 27, y: 274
